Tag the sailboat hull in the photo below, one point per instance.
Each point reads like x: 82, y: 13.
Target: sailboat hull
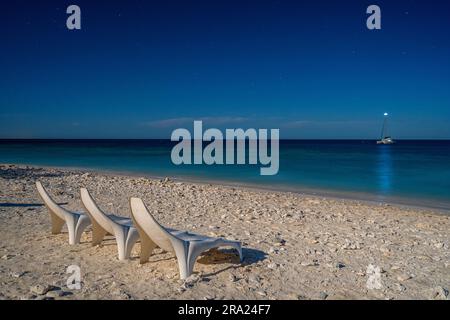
x: 385, y: 141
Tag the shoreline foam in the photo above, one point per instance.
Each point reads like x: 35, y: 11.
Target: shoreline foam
x: 405, y: 202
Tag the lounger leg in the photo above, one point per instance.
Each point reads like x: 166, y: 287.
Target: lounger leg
x: 194, y: 252
x: 132, y: 238
x: 120, y: 235
x: 181, y: 251
x: 98, y: 233
x: 83, y: 223
x: 124, y: 243
x: 147, y: 247
x: 71, y: 223
x: 57, y: 223
x: 238, y: 247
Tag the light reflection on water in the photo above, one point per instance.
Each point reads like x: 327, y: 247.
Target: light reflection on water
x: 384, y: 170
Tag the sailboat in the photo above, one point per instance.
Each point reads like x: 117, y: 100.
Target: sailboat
x: 385, y: 138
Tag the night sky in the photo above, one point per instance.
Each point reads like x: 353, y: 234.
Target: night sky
x: 138, y: 69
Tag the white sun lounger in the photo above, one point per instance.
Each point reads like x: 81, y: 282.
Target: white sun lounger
x: 76, y: 222
x: 186, y: 246
x: 122, y: 228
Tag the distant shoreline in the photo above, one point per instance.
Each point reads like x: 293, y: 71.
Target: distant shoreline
x: 368, y: 198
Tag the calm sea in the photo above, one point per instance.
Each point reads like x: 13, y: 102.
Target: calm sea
x: 410, y: 172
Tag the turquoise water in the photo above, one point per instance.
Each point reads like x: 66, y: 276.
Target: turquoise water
x: 415, y: 172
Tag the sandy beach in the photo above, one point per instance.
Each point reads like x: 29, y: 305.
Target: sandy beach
x: 296, y: 246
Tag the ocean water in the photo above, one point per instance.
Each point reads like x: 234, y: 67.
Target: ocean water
x: 410, y: 172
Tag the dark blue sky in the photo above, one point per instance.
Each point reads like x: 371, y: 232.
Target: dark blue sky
x: 139, y: 69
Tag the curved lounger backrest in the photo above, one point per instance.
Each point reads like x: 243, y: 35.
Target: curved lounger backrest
x: 50, y: 203
x: 145, y: 221
x: 95, y: 212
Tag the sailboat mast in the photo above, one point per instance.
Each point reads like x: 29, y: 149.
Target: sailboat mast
x: 385, y: 138
x: 384, y: 129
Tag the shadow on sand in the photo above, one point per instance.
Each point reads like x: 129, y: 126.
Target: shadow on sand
x: 24, y: 205
x: 218, y: 256
x: 20, y: 205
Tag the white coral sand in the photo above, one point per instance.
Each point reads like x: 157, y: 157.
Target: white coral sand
x: 295, y: 246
